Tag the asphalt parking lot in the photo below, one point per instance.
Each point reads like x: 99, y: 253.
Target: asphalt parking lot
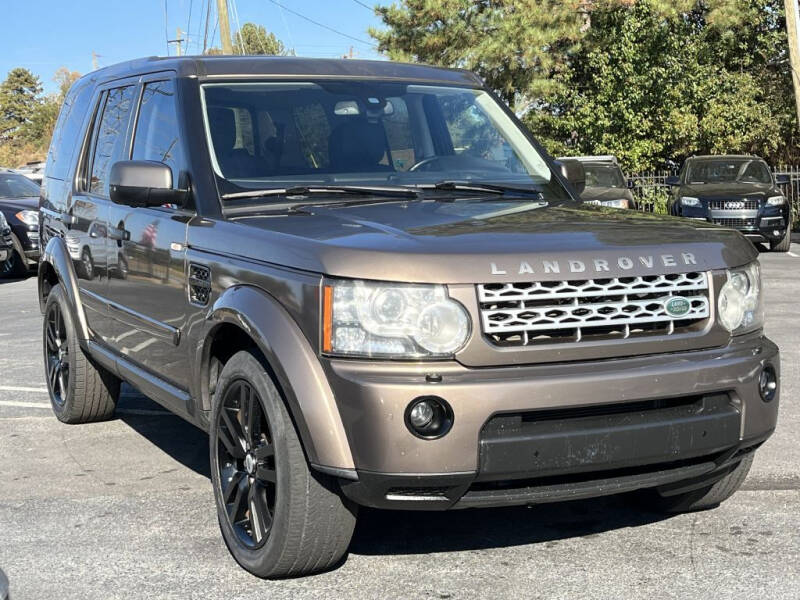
x: 124, y: 509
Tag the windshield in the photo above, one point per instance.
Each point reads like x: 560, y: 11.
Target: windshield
x: 13, y: 185
x: 728, y: 170
x: 608, y: 176
x: 279, y: 135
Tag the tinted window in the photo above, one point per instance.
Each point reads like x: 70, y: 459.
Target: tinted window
x: 17, y: 186
x: 67, y: 134
x: 604, y: 176
x: 728, y: 170
x: 110, y: 137
x: 271, y: 134
x: 157, y: 128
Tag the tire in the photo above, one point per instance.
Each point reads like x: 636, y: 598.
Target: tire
x: 86, y: 265
x: 16, y: 265
x: 705, y: 497
x: 80, y: 391
x: 785, y: 244
x: 122, y: 266
x: 302, y: 523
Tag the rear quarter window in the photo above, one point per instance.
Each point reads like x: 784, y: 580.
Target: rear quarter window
x: 68, y: 131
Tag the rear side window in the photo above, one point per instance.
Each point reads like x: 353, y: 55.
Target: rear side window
x: 67, y: 133
x: 110, y: 137
x: 157, y: 135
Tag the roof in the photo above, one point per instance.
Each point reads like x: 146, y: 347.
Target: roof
x: 285, y: 66
x: 602, y: 159
x: 738, y: 156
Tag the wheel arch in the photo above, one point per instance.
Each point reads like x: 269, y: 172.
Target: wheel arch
x: 55, y: 266
x: 246, y: 316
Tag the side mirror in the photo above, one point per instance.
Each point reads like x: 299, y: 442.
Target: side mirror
x: 573, y: 171
x: 142, y: 183
x: 783, y: 179
x: 673, y: 180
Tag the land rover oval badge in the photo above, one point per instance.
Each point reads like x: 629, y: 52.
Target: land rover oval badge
x: 677, y: 306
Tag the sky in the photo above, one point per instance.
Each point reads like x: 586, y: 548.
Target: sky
x: 43, y: 35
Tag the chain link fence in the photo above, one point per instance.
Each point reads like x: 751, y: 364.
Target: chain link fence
x: 652, y: 192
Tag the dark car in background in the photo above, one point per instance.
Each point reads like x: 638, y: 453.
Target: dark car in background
x: 19, y: 204
x: 738, y: 192
x: 606, y: 184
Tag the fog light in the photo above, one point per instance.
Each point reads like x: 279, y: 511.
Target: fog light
x: 768, y: 384
x: 429, y: 417
x: 421, y: 415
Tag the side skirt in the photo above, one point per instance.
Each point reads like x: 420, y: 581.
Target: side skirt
x: 167, y: 395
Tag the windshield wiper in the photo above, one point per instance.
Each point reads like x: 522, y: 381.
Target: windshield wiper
x: 307, y: 190
x: 471, y: 186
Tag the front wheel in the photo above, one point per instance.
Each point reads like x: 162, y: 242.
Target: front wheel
x: 785, y: 244
x: 277, y: 517
x: 16, y: 265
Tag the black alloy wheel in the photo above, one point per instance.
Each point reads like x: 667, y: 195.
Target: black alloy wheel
x: 246, y: 463
x: 57, y: 353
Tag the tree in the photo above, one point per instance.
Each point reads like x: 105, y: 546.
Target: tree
x: 647, y: 80
x: 254, y: 39
x: 65, y: 78
x: 19, y: 98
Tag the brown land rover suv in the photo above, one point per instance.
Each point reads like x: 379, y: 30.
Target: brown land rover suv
x: 372, y: 287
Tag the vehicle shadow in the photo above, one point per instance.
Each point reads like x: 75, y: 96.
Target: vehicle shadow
x: 179, y: 439
x: 393, y: 532
x: 413, y: 532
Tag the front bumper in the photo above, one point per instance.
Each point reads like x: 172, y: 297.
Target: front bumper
x: 547, y: 432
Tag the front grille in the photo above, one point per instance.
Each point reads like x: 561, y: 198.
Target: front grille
x: 736, y: 223
x: 546, y: 312
x: 746, y: 204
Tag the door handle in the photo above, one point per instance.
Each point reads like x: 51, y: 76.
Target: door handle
x: 61, y: 217
x: 119, y: 235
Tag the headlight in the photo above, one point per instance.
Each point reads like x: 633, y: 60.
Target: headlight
x: 615, y: 203
x: 363, y: 318
x: 29, y: 217
x: 690, y: 201
x: 776, y: 201
x: 739, y: 303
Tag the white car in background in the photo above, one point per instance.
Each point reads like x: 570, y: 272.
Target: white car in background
x: 32, y: 170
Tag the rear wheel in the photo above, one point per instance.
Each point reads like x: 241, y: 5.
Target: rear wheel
x: 278, y: 518
x: 87, y: 264
x: 707, y: 496
x: 80, y: 391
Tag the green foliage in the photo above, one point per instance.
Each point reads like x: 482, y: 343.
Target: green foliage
x: 19, y: 98
x: 27, y: 117
x: 647, y: 80
x: 254, y: 39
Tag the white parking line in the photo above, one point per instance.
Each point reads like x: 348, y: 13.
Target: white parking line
x: 15, y: 388
x: 120, y: 411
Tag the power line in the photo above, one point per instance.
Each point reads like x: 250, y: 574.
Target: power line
x: 364, y: 5
x: 318, y: 24
x: 166, y: 26
x: 189, y: 26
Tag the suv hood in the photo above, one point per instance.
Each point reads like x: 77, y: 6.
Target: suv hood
x: 727, y: 190
x: 17, y: 204
x: 473, y: 241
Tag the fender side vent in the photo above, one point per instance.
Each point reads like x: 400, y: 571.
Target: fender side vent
x: 199, y: 284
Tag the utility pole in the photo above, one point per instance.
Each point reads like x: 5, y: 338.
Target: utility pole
x: 224, y: 27
x: 95, y: 56
x: 177, y: 41
x: 792, y: 26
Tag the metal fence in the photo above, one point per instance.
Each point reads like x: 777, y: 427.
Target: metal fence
x: 652, y: 192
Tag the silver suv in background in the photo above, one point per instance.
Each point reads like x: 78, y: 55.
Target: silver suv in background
x: 606, y: 184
